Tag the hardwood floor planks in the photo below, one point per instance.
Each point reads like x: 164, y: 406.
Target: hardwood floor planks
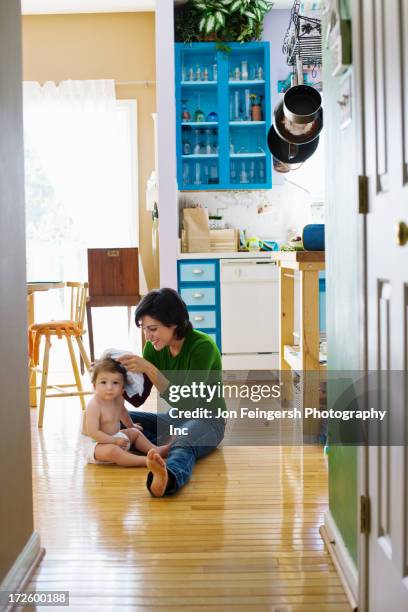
x: 243, y: 535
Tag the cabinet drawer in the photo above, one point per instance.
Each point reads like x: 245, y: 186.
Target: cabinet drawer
x: 203, y: 319
x: 197, y: 272
x: 198, y: 296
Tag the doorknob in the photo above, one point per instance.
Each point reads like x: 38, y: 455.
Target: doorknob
x: 402, y: 233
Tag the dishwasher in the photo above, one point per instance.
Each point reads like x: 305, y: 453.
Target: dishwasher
x: 249, y: 313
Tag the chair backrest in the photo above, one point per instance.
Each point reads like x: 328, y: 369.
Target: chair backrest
x: 113, y: 276
x: 78, y: 293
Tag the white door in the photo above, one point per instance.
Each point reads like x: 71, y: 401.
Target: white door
x: 385, y: 110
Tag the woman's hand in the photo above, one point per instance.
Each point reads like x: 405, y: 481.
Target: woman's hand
x: 133, y: 363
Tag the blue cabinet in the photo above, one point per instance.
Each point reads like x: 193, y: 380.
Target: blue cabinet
x: 223, y: 113
x: 199, y: 287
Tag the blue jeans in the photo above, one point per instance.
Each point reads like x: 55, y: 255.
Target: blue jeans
x: 202, y: 437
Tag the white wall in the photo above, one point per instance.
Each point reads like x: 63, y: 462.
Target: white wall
x: 166, y: 143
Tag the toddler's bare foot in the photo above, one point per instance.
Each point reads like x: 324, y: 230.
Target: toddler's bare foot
x: 163, y: 450
x: 156, y: 465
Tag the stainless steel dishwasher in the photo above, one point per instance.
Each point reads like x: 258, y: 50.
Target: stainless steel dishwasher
x: 249, y: 314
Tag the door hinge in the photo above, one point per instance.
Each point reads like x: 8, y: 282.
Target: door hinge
x: 363, y: 194
x: 365, y: 514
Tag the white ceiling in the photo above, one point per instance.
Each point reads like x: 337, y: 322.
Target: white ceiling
x: 36, y: 7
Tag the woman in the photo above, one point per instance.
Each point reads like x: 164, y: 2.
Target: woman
x: 176, y: 354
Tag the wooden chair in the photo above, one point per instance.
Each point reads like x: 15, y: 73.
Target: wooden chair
x: 113, y: 277
x: 68, y: 329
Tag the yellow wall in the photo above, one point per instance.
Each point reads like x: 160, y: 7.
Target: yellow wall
x: 118, y: 46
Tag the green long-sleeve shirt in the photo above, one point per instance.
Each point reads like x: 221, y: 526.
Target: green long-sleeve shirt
x: 199, y: 361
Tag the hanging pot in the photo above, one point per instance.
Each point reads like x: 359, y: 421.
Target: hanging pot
x: 288, y: 153
x: 295, y: 133
x: 302, y: 104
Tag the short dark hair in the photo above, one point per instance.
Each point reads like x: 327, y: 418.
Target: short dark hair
x: 107, y: 364
x: 165, y: 305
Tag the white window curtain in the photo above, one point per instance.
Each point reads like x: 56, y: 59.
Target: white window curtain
x: 78, y: 186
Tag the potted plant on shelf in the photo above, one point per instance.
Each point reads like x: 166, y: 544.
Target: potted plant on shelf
x: 221, y: 20
x: 256, y: 107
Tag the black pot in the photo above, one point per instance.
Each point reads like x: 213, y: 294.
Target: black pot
x: 283, y: 127
x: 302, y: 104
x: 290, y: 153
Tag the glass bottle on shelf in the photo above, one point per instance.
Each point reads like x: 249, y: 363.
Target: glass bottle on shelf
x: 205, y: 74
x: 243, y: 176
x: 186, y: 173
x: 186, y: 147
x: 237, y: 74
x: 236, y: 106
x: 261, y: 172
x: 213, y: 175
x: 208, y: 148
x: 197, y: 173
x: 205, y: 179
x: 247, y: 116
x: 252, y: 172
x: 214, y: 72
x: 244, y: 70
x: 259, y: 73
x: 233, y: 172
x: 196, y: 149
x: 199, y: 115
x: 191, y: 74
x: 198, y: 73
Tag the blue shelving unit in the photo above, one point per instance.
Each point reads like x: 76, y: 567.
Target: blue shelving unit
x: 223, y: 116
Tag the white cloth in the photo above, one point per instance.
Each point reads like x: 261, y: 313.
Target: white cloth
x: 135, y: 379
x: 90, y: 445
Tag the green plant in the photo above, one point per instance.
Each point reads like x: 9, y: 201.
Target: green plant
x: 225, y: 20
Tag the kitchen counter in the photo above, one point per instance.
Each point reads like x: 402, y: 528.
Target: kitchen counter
x: 231, y: 255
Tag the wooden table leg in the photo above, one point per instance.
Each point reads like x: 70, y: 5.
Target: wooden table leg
x: 90, y: 331
x: 309, y: 345
x: 32, y: 376
x: 286, y: 327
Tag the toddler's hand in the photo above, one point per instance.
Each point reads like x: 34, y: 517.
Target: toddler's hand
x: 121, y: 442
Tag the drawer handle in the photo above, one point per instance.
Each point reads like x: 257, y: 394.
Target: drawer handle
x: 198, y: 318
x: 197, y: 271
x: 197, y: 296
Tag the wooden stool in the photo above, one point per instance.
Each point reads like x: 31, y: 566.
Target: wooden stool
x: 68, y: 329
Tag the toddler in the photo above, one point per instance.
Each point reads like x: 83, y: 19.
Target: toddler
x: 104, y: 412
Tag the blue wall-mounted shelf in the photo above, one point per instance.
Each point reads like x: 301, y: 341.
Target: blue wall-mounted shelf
x: 221, y: 138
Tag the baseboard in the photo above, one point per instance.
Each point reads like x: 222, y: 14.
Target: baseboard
x: 341, y: 558
x: 23, y: 567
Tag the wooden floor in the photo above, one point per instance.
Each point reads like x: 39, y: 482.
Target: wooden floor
x: 243, y: 535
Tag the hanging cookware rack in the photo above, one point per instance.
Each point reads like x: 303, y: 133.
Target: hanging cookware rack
x: 303, y: 39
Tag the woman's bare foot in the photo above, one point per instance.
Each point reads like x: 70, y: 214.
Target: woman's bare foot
x: 163, y: 450
x: 157, y: 465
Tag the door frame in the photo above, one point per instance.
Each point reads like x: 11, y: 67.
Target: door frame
x: 359, y: 113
